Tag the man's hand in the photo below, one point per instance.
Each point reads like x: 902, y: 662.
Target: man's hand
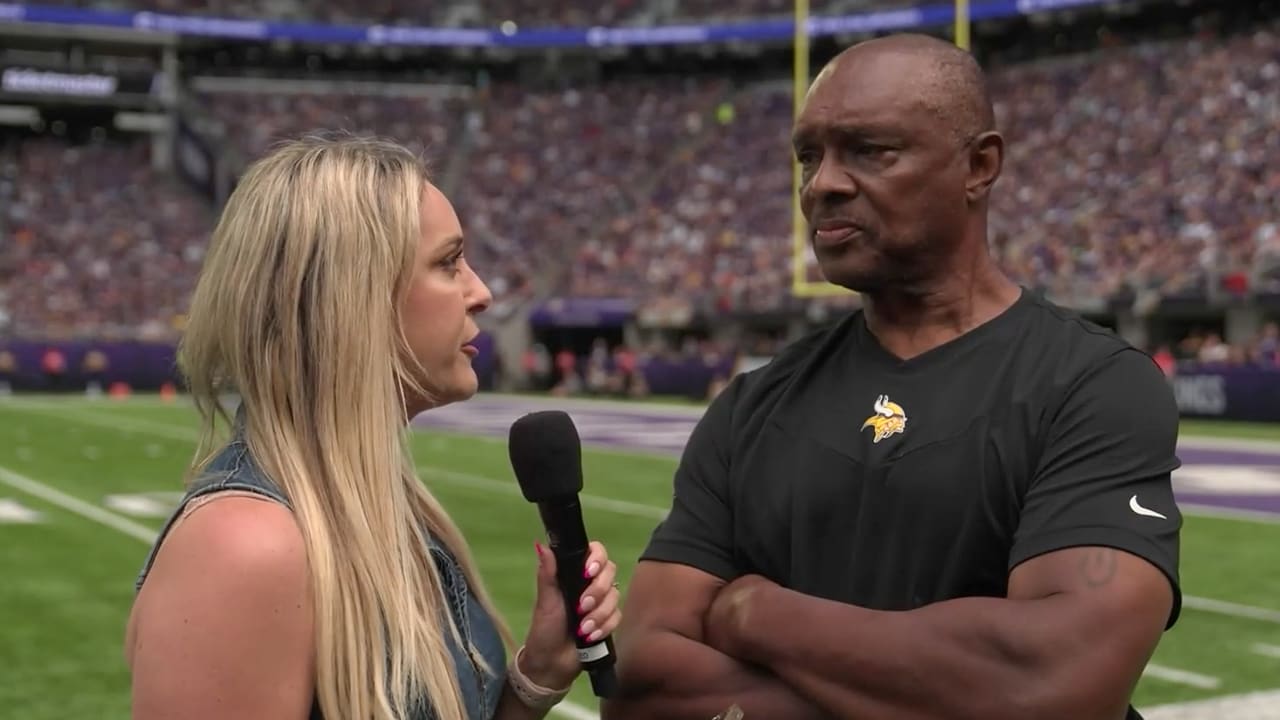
x: 730, y: 614
x: 667, y: 670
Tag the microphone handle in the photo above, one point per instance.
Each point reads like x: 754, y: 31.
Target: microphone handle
x: 567, y: 536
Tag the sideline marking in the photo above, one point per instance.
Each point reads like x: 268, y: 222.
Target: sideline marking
x: 1182, y: 677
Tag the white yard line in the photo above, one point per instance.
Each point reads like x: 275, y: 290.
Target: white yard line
x: 1260, y: 705
x: 108, y: 420
x: 1182, y: 677
x: 1265, y: 650
x: 1237, y: 610
x: 54, y: 496
x: 621, y: 507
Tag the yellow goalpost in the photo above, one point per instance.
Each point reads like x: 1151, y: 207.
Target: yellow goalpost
x: 801, y: 284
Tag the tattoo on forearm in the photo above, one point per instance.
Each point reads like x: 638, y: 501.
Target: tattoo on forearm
x: 1098, y: 567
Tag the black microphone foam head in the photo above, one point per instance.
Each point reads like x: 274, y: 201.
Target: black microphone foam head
x: 546, y: 455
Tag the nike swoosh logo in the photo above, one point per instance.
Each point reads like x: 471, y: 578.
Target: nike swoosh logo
x: 1134, y: 506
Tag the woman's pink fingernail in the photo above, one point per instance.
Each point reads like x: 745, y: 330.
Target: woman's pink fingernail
x: 595, y: 636
x: 591, y: 570
x: 587, y: 627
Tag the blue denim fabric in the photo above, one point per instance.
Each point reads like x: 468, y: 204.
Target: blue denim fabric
x: 234, y: 469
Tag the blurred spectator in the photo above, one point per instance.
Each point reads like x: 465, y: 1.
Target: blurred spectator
x: 8, y: 372
x: 1165, y: 359
x: 1267, y: 351
x: 1213, y: 351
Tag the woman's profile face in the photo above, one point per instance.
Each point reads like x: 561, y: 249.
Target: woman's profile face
x: 437, y: 314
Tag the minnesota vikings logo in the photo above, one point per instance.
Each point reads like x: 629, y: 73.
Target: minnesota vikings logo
x: 890, y: 419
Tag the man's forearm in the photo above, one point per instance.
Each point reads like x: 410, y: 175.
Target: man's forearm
x: 667, y: 676
x: 985, y: 658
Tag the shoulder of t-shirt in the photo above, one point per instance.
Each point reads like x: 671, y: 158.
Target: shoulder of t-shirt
x: 1081, y: 347
x: 1064, y: 319
x: 751, y: 390
x: 1069, y: 328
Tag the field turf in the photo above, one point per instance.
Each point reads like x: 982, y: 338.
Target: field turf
x: 84, y: 484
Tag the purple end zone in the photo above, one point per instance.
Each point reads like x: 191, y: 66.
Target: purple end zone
x: 663, y: 431
x: 643, y: 429
x: 1253, y: 503
x: 1200, y: 455
x: 1266, y: 499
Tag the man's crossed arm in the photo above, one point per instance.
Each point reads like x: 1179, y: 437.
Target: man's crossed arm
x: 666, y: 668
x: 1069, y: 641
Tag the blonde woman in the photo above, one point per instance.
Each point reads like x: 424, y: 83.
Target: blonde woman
x: 308, y: 573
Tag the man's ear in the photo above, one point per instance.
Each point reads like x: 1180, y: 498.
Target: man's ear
x: 986, y: 160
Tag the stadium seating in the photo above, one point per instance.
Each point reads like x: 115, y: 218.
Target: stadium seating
x: 1139, y: 172
x: 531, y: 173
x: 1151, y: 169
x: 548, y: 171
x: 95, y: 241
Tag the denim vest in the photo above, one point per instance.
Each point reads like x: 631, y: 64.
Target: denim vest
x: 234, y: 469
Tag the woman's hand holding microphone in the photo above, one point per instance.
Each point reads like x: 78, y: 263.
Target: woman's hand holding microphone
x: 549, y: 657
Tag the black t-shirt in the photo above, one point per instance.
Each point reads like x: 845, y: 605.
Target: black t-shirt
x: 842, y: 472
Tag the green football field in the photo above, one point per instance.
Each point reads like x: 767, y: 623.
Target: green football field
x: 85, y: 484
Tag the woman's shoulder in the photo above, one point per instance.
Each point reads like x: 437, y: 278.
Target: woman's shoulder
x: 228, y: 599
x: 239, y: 529
x: 233, y: 548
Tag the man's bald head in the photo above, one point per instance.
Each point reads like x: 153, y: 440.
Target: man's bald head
x: 944, y: 79
x: 897, y: 159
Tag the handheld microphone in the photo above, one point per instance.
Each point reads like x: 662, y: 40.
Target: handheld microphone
x: 546, y: 455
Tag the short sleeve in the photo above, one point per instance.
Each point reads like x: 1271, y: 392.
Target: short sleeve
x: 1104, y: 475
x: 698, y: 531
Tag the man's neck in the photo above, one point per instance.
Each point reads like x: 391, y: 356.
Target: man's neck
x: 912, y: 321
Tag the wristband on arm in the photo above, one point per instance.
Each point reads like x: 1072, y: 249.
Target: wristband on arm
x: 531, y: 694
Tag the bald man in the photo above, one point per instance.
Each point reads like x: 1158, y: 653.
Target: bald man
x: 954, y: 503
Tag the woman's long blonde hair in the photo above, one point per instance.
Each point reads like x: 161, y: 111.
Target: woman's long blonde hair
x: 296, y: 311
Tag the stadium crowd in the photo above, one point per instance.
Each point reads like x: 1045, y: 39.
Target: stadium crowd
x: 1139, y: 172
x: 1152, y: 170
x: 544, y: 171
x: 711, y: 232
x: 95, y: 242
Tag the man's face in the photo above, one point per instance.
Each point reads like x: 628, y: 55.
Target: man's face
x: 883, y: 175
